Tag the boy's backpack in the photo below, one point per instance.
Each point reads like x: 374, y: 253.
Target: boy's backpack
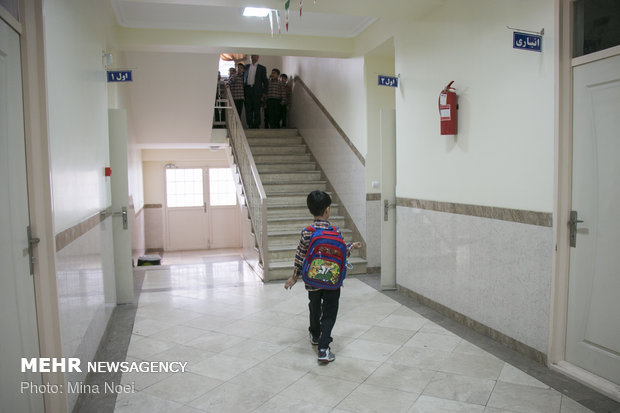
x: 325, y: 264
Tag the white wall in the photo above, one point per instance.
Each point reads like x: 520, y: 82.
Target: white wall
x: 503, y: 155
x: 172, y: 97
x: 75, y: 35
x: 339, y: 86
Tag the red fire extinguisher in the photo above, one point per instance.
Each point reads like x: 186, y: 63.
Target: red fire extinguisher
x: 447, y: 110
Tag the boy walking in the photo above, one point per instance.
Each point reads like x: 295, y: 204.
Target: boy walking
x: 323, y: 303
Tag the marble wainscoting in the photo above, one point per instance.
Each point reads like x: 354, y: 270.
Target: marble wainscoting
x: 153, y: 227
x: 374, y: 215
x: 343, y: 165
x: 489, y: 268
x: 86, y: 290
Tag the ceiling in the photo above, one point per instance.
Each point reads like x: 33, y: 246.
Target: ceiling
x: 327, y: 18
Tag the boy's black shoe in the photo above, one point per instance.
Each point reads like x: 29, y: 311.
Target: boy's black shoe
x: 313, y: 341
x: 325, y: 355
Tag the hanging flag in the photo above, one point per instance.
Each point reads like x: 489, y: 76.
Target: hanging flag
x: 301, y: 5
x: 287, y: 5
x: 278, y: 20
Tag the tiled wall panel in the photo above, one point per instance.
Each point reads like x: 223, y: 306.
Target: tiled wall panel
x: 495, y: 272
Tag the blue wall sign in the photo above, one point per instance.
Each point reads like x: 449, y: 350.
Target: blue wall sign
x: 526, y: 41
x: 391, y: 81
x: 119, y: 76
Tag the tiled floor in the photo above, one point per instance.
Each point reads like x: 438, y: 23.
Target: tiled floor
x: 247, y: 348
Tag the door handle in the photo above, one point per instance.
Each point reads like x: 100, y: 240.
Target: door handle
x: 572, y: 223
x: 123, y: 215
x: 204, y: 205
x: 386, y: 209
x: 32, y: 242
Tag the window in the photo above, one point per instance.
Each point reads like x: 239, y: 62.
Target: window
x: 222, y: 189
x: 184, y: 188
x: 224, y: 66
x: 596, y: 26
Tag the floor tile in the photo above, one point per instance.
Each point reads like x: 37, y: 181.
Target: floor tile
x: 269, y: 377
x: 427, y: 404
x: 254, y: 350
x: 422, y: 358
x: 142, y: 402
x: 513, y: 375
x: 312, y: 387
x: 247, y: 349
x: 571, y: 406
x: 401, y: 377
x: 473, y: 365
x: 183, y: 387
x: 526, y: 399
x: 369, y: 350
x: 230, y: 397
x: 279, y: 404
x: 215, y: 342
x: 222, y: 367
x: 351, y: 369
x: 387, y: 335
x: 405, y: 322
x: 435, y: 341
x: 460, y: 388
x: 371, y: 399
x: 178, y: 334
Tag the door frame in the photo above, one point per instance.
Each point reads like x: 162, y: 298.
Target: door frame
x: 563, y: 198
x: 39, y: 188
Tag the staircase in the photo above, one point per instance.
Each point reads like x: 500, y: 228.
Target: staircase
x: 289, y: 174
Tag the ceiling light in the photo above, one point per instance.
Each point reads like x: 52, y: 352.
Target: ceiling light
x: 256, y: 12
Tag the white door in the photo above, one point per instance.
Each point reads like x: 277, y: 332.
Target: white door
x: 201, y: 209
x: 117, y: 125
x: 593, y: 327
x: 388, y: 198
x: 224, y: 219
x: 18, y: 325
x: 186, y: 209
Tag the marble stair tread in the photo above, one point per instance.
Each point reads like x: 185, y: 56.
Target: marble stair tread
x: 280, y: 233
x: 302, y: 219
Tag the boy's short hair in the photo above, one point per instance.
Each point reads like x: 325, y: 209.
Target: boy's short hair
x: 317, y: 202
x: 276, y: 70
x: 284, y: 75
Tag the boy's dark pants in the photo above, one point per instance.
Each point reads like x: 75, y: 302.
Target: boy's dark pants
x: 323, y: 307
x: 273, y: 113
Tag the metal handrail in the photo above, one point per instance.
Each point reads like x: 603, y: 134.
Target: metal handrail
x: 255, y: 195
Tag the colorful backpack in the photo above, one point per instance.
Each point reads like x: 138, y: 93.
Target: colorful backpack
x: 325, y: 264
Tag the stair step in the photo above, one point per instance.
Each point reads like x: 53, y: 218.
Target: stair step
x: 285, y: 167
x: 278, y: 150
x: 303, y: 187
x: 287, y: 252
x: 282, y: 270
x: 288, y: 199
x: 297, y: 223
x: 271, y: 158
x: 289, y: 140
x: 267, y: 133
x: 279, y: 177
x: 295, y: 211
x: 285, y: 237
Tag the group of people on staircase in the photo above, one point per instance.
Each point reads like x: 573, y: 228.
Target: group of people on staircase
x: 250, y: 88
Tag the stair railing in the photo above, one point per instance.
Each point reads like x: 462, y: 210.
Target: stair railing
x: 256, y: 198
